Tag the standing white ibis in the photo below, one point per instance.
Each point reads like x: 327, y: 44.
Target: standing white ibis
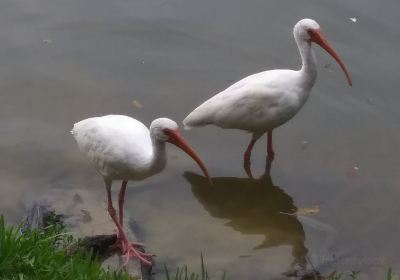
x: 263, y: 101
x: 122, y: 148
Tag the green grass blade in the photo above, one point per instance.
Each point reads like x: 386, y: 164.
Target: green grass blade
x: 389, y: 274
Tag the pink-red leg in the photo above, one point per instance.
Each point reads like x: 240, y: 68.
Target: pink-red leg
x: 270, y: 150
x: 247, y: 156
x: 121, y: 200
x: 128, y: 249
x: 268, y: 165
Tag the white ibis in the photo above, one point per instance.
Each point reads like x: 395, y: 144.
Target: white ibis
x: 122, y: 148
x: 263, y: 101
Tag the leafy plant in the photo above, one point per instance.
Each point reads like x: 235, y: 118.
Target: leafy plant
x: 183, y: 274
x: 389, y: 274
x: 41, y: 254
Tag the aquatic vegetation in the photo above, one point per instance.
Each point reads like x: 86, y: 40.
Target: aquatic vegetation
x: 183, y: 274
x: 42, y: 254
x: 392, y: 276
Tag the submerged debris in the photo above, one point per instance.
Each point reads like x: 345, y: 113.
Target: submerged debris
x: 353, y: 172
x: 98, y: 245
x: 304, y: 145
x: 85, y: 217
x: 353, y: 19
x: 308, y: 210
x: 137, y: 104
x: 304, y: 211
x: 77, y: 198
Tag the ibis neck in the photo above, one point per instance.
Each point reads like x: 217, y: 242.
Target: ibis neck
x: 308, y: 69
x: 159, y: 159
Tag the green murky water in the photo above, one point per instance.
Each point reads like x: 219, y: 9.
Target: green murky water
x: 62, y: 61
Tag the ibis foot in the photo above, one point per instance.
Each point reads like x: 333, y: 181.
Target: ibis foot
x: 122, y: 245
x: 134, y: 244
x: 130, y: 252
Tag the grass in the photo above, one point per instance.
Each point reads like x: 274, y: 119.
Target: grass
x: 41, y: 255
x: 36, y: 254
x: 391, y: 276
x: 183, y: 274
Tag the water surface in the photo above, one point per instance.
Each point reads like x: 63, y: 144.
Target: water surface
x: 62, y: 61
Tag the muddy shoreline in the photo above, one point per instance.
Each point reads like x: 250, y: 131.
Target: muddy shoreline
x: 70, y: 208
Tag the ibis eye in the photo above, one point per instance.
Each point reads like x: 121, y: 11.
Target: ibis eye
x: 311, y: 32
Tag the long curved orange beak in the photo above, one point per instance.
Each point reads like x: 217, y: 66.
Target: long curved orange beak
x: 318, y: 37
x: 176, y: 139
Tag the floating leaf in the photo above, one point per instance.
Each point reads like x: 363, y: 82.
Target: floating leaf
x: 137, y: 104
x: 308, y: 210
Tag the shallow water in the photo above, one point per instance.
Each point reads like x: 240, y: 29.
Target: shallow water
x: 62, y: 61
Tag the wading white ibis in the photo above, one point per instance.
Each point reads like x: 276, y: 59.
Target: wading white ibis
x: 122, y: 148
x: 263, y: 101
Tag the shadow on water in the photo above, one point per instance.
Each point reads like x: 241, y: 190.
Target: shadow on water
x: 253, y: 206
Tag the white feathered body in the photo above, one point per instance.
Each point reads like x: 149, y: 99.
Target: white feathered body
x: 119, y: 147
x: 257, y: 103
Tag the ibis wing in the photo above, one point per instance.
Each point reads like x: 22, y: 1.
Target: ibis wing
x: 113, y: 142
x: 257, y: 102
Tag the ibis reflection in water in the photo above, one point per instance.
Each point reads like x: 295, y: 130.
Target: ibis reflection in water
x: 253, y: 206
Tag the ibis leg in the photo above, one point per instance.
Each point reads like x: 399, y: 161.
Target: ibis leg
x: 270, y: 150
x: 246, y: 158
x: 247, y: 154
x: 127, y: 248
x: 268, y: 165
x: 121, y: 200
